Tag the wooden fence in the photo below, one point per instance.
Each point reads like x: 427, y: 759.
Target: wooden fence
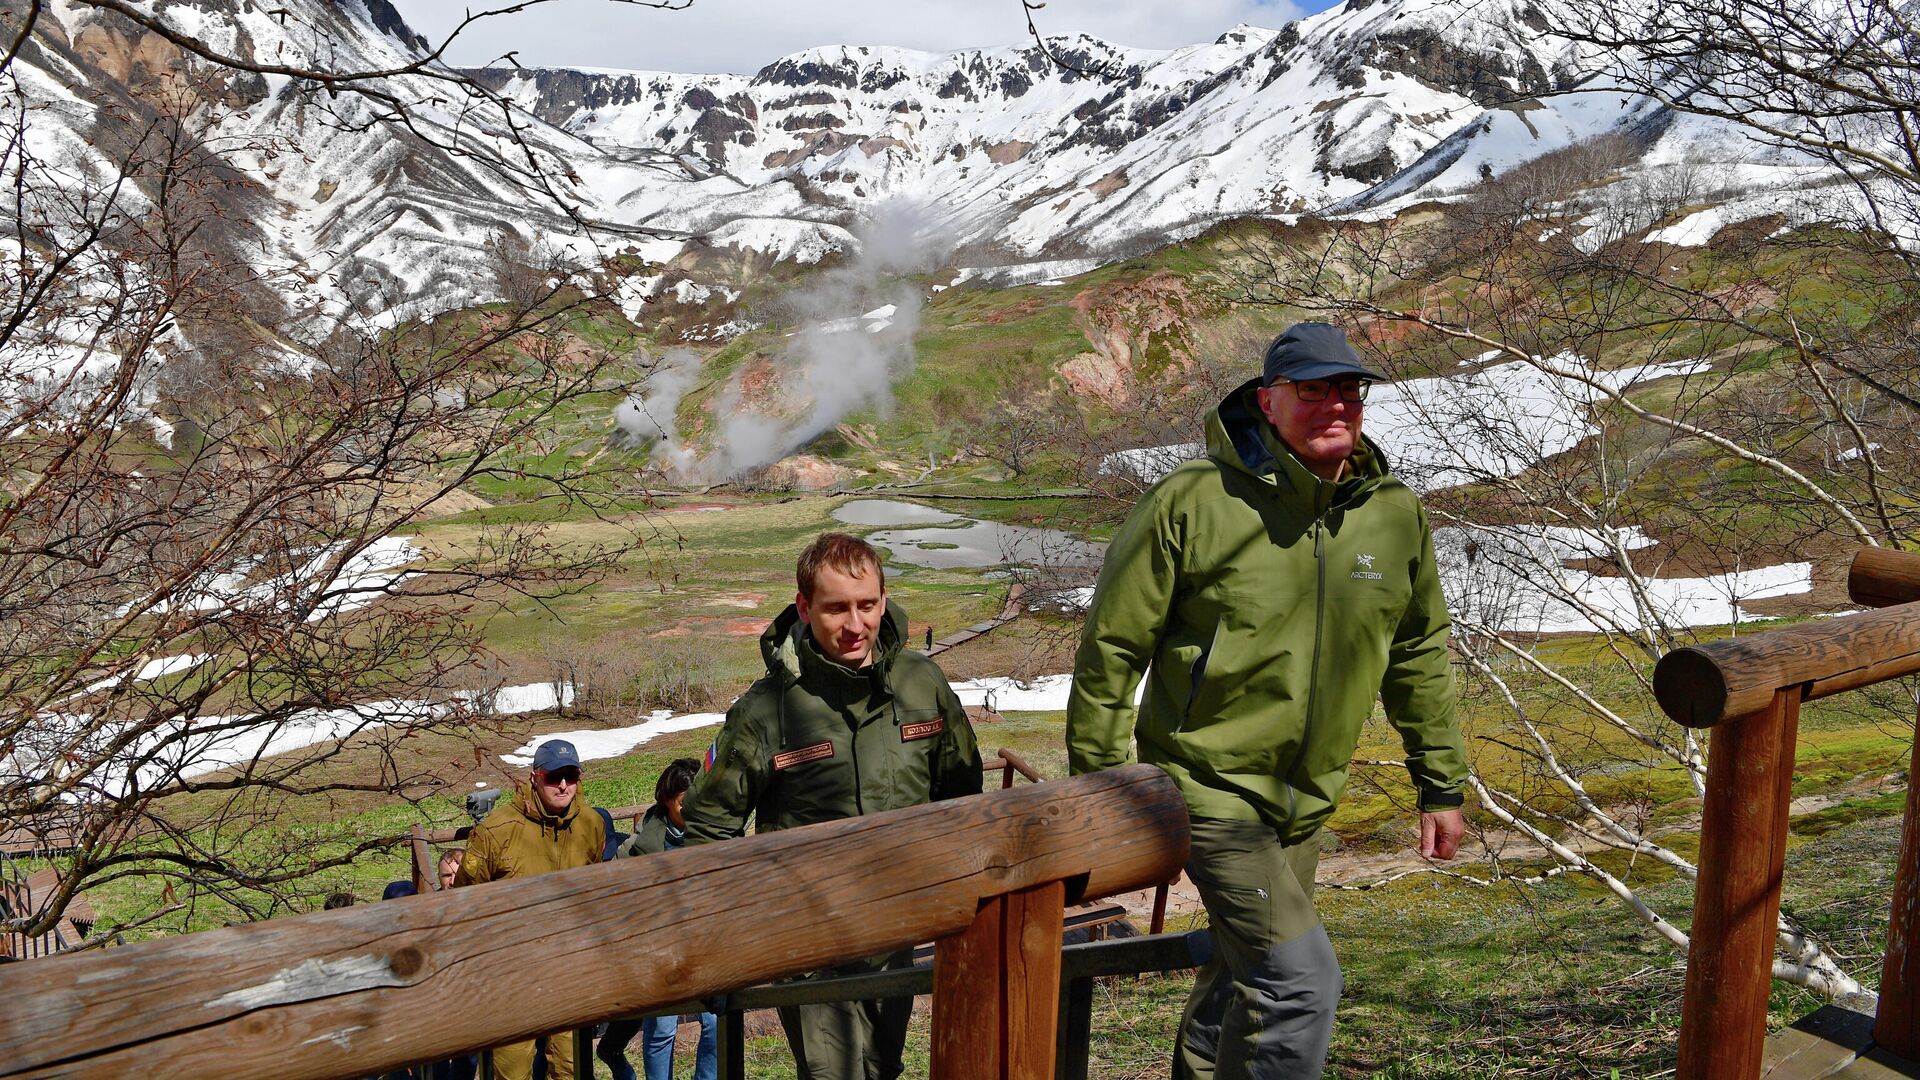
x: 1005, y: 762
x: 1748, y: 689
x: 360, y: 990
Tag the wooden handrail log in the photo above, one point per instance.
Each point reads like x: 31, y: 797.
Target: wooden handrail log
x: 1882, y: 577
x: 449, y: 834
x: 1708, y: 684
x: 368, y: 988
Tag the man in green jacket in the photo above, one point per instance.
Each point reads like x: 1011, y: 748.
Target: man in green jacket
x: 845, y: 722
x: 544, y: 827
x: 1269, y: 593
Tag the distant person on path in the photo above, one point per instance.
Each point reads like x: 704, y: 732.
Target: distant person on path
x: 847, y: 721
x: 1270, y: 592
x: 663, y: 828
x: 543, y: 827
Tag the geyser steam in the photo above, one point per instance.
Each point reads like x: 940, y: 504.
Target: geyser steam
x: 857, y: 325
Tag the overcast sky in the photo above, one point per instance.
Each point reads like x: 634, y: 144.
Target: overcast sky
x: 745, y: 35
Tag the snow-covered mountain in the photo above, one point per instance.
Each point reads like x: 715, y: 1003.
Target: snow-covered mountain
x: 1017, y: 157
x: 341, y: 206
x: 1006, y: 155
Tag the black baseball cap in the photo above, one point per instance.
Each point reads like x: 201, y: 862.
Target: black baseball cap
x: 1313, y: 350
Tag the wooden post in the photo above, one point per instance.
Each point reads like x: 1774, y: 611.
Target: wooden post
x: 1897, y: 1025
x: 1736, y: 910
x: 996, y: 989
x: 1159, y: 922
x: 424, y: 879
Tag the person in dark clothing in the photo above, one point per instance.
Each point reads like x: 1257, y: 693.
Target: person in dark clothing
x: 662, y: 829
x: 614, y: 837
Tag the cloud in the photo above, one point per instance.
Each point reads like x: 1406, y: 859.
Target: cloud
x: 746, y: 35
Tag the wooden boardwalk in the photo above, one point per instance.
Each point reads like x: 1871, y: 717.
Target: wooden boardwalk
x: 1832, y: 1043
x: 1008, y: 612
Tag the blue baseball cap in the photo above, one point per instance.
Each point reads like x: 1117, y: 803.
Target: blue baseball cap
x: 1313, y: 350
x: 554, y: 755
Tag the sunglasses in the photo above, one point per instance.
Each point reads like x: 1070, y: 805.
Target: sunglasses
x: 1351, y: 390
x: 562, y: 776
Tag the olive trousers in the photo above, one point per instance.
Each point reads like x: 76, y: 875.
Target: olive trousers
x: 1262, y: 1007
x: 851, y: 1040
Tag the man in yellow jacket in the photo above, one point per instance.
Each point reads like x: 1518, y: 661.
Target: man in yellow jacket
x: 544, y: 827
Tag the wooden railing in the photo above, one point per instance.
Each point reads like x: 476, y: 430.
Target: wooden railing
x: 1010, y: 764
x: 373, y: 987
x: 1080, y: 965
x: 1748, y: 689
x: 1005, y: 762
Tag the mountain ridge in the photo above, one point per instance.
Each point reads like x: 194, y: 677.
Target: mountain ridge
x: 1258, y: 121
x: 1005, y: 156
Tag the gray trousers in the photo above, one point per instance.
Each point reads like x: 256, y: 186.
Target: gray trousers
x: 1262, y: 1008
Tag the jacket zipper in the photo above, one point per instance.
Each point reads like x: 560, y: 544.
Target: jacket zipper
x: 853, y: 749
x: 1313, y: 672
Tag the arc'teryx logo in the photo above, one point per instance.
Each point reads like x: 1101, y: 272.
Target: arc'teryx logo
x: 1366, y: 572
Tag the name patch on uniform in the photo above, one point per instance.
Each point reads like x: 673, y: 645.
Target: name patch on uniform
x: 910, y: 732
x: 805, y: 754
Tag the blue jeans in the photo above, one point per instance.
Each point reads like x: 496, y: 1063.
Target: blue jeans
x: 656, y: 1047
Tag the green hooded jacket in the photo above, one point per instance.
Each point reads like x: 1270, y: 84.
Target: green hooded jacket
x: 1267, y: 609
x: 814, y: 740
x: 520, y: 838
x: 654, y: 836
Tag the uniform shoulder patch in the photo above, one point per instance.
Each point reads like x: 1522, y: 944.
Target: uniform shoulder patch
x: 925, y: 730
x: 805, y: 754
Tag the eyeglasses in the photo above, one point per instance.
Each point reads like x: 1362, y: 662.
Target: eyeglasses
x: 1351, y: 390
x: 561, y: 776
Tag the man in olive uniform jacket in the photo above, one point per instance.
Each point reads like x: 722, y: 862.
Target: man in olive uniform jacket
x: 846, y: 722
x: 1269, y: 593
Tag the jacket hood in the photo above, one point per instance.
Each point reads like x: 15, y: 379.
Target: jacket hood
x: 1239, y: 437
x: 789, y: 652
